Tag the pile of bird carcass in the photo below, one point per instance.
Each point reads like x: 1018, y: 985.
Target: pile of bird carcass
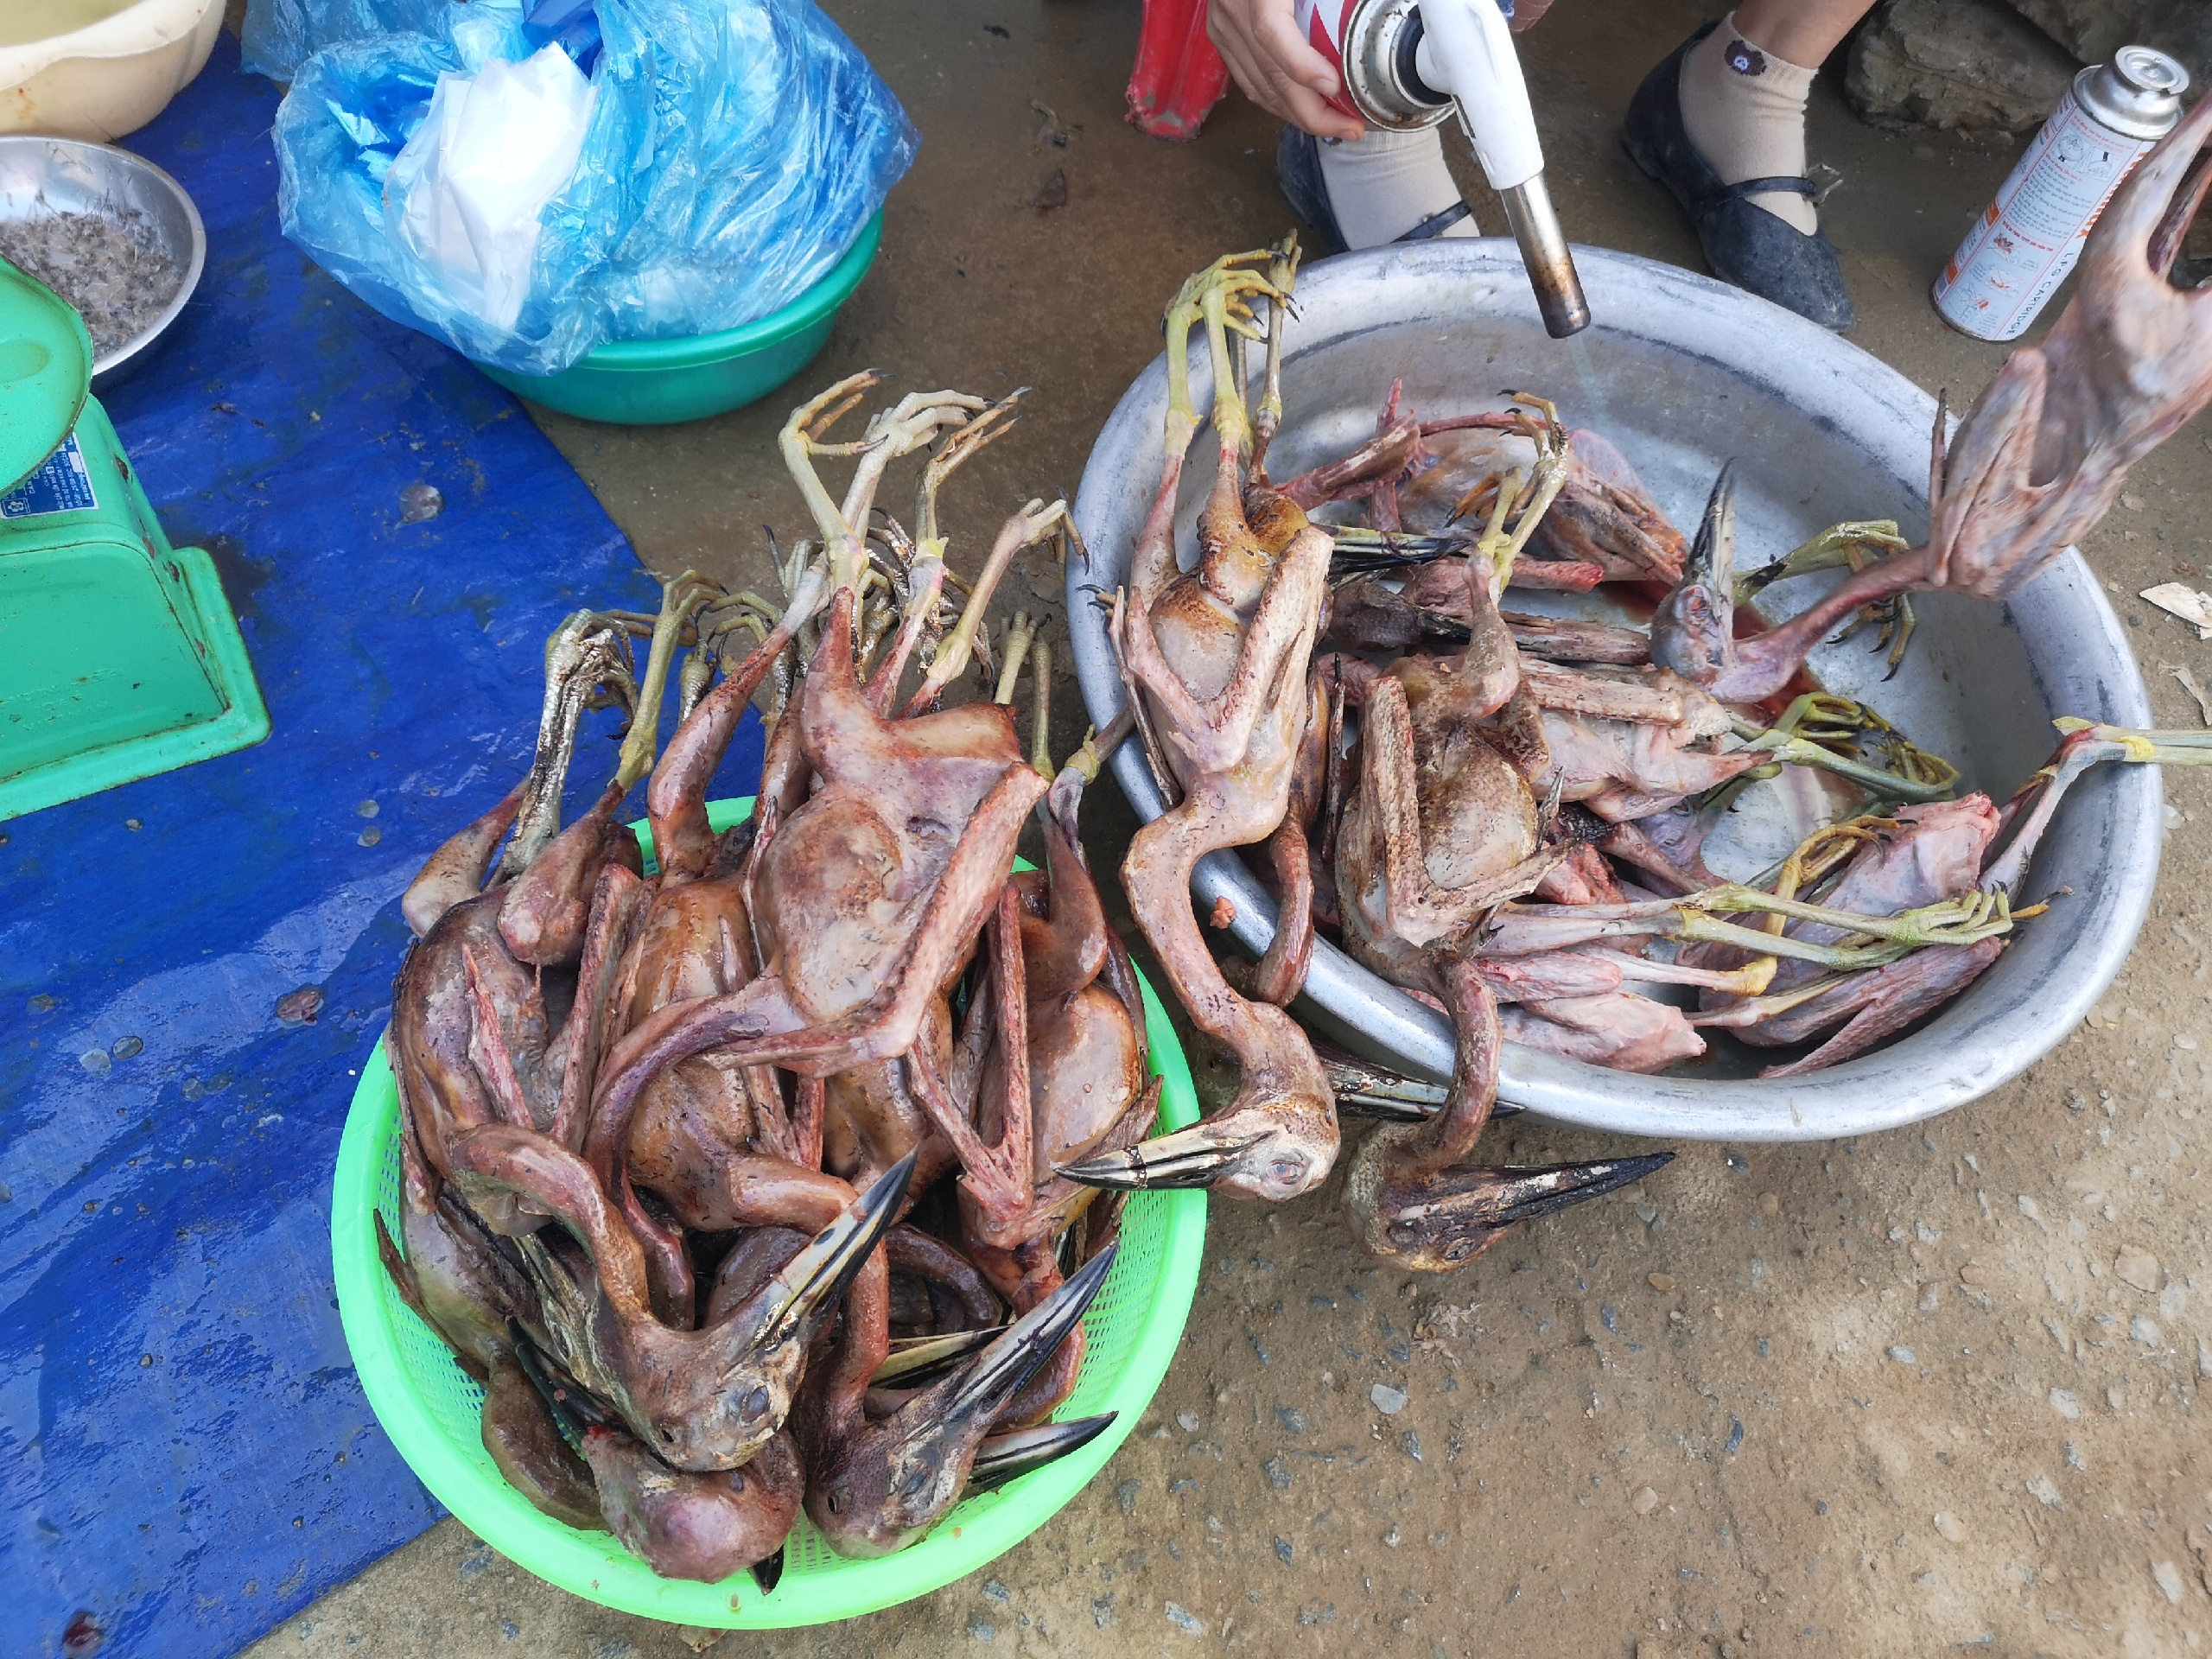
x: 1515, y: 830
x: 740, y: 1083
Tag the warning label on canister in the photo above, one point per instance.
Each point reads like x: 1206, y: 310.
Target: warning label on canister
x: 2023, y: 247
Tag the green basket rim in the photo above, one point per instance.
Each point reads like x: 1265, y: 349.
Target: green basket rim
x: 591, y: 1565
x: 654, y: 356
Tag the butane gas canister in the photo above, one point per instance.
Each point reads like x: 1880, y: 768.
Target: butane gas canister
x: 1374, y: 43
x: 2028, y: 238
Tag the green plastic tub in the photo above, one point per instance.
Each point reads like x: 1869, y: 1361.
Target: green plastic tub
x: 658, y: 382
x: 430, y: 1408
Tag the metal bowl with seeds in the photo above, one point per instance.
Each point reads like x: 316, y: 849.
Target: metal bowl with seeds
x: 112, y: 234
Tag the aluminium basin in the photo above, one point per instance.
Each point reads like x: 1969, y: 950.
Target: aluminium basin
x: 1683, y: 373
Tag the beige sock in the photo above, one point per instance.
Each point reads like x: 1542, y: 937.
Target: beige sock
x: 1744, y: 110
x: 1387, y: 183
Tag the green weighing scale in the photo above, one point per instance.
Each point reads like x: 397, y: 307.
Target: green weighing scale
x: 119, y: 656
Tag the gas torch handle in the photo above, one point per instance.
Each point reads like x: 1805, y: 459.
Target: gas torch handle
x: 1467, y: 51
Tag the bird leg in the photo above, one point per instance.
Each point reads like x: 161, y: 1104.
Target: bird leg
x: 681, y: 602
x: 586, y: 652
x: 1034, y: 525
x: 2028, y: 814
x: 1851, y: 546
x: 1524, y: 930
x: 1283, y: 276
x: 925, y: 575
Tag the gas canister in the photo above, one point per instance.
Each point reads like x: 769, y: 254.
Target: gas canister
x: 2028, y: 238
x: 1374, y: 45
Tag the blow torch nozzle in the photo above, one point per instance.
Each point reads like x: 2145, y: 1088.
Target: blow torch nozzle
x: 1544, y: 251
x: 1464, y: 49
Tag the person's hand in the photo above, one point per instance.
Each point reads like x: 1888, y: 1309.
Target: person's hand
x: 1278, y: 70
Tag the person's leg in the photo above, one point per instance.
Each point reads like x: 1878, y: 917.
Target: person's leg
x: 1744, y: 89
x: 1721, y: 122
x: 1386, y: 183
x: 1802, y: 31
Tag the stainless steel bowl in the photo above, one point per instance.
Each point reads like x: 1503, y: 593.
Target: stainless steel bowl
x: 40, y: 175
x: 1682, y: 374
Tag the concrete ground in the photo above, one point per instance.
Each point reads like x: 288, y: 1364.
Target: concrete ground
x: 1928, y: 1390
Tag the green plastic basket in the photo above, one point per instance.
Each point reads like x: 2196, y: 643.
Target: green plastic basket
x: 659, y: 382
x: 430, y: 1408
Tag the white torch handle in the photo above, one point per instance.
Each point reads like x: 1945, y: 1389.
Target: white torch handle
x: 1466, y: 50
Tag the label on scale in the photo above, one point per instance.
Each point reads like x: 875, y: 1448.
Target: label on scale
x: 62, y: 484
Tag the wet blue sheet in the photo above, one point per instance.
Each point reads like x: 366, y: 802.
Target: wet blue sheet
x: 186, y: 1457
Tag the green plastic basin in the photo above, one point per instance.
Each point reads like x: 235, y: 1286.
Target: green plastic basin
x: 659, y: 382
x: 432, y: 1411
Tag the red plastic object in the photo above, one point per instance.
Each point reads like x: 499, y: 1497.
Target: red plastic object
x: 1178, y: 75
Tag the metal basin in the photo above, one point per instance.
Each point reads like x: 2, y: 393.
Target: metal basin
x: 1683, y: 373
x: 41, y: 175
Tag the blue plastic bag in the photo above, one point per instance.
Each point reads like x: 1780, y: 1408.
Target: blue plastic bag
x: 280, y: 35
x: 728, y: 153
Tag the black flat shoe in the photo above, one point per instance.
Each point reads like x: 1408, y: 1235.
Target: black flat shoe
x: 1745, y: 244
x: 1298, y: 169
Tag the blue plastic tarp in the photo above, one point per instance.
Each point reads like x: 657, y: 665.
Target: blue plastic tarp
x: 186, y: 1457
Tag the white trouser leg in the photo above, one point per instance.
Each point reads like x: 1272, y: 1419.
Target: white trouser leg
x: 1382, y: 186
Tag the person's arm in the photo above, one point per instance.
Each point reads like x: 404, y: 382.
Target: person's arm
x: 1278, y: 70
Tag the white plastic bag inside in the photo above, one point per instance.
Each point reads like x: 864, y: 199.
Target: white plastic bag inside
x: 465, y: 194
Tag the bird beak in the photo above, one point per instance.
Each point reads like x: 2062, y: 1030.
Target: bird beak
x: 572, y: 1408
x: 1006, y: 1457
x: 807, y: 1291
x: 1365, y: 1088
x: 1692, y: 631
x: 907, y: 1360
x: 1711, y: 561
x: 769, y: 1570
x: 1196, y: 1156
x: 987, y: 1380
x: 1525, y: 1193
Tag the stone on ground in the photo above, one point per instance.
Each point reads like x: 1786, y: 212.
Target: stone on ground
x: 1970, y: 64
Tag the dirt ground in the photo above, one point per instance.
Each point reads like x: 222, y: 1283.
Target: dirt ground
x: 1932, y: 1389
